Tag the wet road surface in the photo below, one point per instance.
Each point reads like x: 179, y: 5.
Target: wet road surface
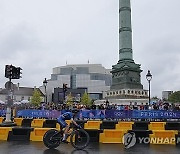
x: 17, y: 147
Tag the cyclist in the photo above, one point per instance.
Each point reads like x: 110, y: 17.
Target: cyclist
x: 63, y: 124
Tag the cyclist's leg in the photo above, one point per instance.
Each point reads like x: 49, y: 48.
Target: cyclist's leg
x: 66, y: 134
x: 66, y: 129
x: 63, y: 125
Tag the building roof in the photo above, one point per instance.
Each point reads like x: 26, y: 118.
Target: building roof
x: 23, y: 91
x: 85, y: 68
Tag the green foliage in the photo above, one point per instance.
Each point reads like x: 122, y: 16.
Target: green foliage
x: 36, y: 98
x: 85, y: 99
x: 174, y: 97
x: 154, y: 97
x: 69, y: 99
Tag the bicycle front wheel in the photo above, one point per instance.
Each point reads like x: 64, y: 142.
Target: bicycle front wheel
x: 48, y: 140
x: 79, y: 139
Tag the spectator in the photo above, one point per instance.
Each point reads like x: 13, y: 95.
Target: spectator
x: 141, y: 106
x: 155, y: 107
x: 135, y: 107
x: 146, y: 107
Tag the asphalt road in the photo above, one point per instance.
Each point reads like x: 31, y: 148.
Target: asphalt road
x: 17, y: 147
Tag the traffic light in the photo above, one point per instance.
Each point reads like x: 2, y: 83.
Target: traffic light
x: 12, y: 72
x: 64, y: 87
x: 8, y: 71
x: 19, y: 72
x: 16, y: 73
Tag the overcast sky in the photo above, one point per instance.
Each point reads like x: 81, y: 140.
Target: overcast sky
x: 38, y: 35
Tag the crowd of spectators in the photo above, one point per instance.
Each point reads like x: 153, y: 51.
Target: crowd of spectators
x: 159, y: 105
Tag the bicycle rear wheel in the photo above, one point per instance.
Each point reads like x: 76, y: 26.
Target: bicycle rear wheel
x: 79, y: 139
x: 48, y: 139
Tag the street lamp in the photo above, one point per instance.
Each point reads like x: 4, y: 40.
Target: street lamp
x: 149, y: 77
x: 45, y: 85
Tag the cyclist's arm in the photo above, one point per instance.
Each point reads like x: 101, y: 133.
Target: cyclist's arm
x: 74, y: 122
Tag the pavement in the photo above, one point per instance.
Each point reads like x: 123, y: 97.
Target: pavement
x: 21, y: 147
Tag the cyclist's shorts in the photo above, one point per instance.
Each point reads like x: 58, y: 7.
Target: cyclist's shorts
x: 62, y: 122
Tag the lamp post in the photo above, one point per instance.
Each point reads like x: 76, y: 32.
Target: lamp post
x: 149, y: 77
x: 45, y: 85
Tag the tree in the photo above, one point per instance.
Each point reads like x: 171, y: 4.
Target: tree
x: 69, y: 99
x: 155, y: 97
x: 85, y: 99
x: 36, y: 98
x: 174, y: 97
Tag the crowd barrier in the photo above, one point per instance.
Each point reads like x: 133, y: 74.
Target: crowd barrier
x: 4, y: 132
x: 111, y: 136
x: 103, y: 131
x: 106, y: 127
x: 124, y: 126
x: 100, y: 114
x: 20, y: 134
x: 163, y: 135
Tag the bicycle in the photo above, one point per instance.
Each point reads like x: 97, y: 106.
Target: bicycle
x: 79, y: 138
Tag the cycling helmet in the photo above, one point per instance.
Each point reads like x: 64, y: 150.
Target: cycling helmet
x: 75, y: 110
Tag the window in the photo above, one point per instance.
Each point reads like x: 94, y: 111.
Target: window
x: 22, y: 97
x: 29, y: 98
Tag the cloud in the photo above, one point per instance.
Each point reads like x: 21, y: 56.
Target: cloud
x: 40, y: 35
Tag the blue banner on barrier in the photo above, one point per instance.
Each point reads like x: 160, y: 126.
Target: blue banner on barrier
x: 38, y: 113
x: 118, y: 114
x: 2, y: 112
x: 101, y: 114
x: 96, y: 114
x: 92, y: 114
x: 156, y: 114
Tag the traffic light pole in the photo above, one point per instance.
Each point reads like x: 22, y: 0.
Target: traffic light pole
x: 64, y: 92
x: 9, y: 102
x: 8, y: 121
x: 11, y: 72
x: 64, y: 96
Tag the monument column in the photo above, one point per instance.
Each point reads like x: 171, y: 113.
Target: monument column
x: 125, y: 31
x: 126, y: 73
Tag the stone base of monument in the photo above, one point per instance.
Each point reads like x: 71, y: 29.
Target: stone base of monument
x: 124, y: 97
x: 121, y: 101
x: 127, y: 94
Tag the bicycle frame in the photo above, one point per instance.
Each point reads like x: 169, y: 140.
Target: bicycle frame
x: 57, y: 136
x: 53, y: 138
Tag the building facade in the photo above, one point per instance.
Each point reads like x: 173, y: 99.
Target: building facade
x: 59, y: 96
x: 93, y: 77
x: 20, y: 94
x: 166, y: 94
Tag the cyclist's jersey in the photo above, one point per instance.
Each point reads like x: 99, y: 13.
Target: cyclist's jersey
x: 67, y: 116
x: 63, y: 117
